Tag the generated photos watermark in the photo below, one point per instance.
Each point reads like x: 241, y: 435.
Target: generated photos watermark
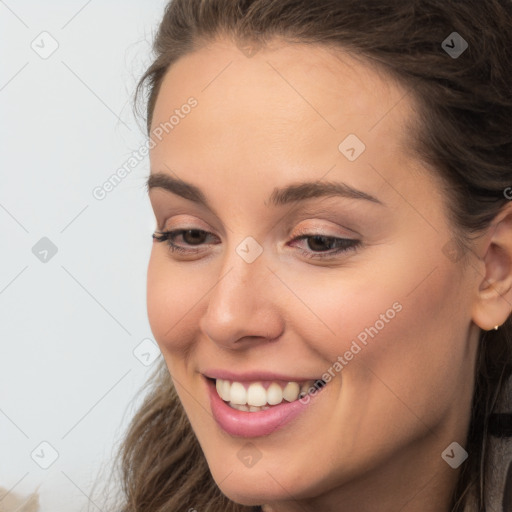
x: 357, y: 345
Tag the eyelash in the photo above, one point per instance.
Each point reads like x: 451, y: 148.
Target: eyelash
x: 347, y: 244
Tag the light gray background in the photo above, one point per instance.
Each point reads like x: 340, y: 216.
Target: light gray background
x: 70, y: 325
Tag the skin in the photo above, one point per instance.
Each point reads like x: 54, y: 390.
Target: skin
x: 372, y: 440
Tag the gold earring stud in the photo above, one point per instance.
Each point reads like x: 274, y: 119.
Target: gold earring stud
x: 495, y: 327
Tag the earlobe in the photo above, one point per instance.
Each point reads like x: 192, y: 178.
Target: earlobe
x: 494, y: 296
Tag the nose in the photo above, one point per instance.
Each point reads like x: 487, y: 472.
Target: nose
x: 243, y: 305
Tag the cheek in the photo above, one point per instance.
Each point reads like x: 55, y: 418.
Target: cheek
x: 173, y: 302
x: 335, y: 307
x: 396, y: 327
x: 421, y: 355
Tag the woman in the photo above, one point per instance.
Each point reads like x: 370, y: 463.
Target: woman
x: 331, y: 276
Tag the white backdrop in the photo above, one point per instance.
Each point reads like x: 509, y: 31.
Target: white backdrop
x: 75, y: 341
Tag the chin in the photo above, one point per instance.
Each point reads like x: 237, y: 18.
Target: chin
x: 250, y: 496
x: 251, y: 487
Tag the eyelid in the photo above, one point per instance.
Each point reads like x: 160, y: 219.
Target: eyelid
x: 184, y: 223
x: 312, y: 231
x: 297, y: 214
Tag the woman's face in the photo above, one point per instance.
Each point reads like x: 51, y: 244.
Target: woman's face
x: 385, y: 321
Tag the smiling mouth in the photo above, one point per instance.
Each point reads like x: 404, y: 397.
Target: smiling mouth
x: 262, y: 395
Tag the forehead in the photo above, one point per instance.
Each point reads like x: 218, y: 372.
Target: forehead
x: 311, y: 80
x: 281, y: 112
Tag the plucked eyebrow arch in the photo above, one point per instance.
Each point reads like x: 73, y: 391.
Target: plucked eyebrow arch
x: 292, y: 193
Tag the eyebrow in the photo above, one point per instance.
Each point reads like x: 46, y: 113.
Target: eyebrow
x: 280, y: 196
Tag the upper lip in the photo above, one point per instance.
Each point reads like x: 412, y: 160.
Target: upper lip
x: 253, y: 376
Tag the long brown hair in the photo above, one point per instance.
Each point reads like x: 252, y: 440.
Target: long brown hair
x: 464, y: 134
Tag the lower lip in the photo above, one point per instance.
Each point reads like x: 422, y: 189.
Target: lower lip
x: 254, y: 424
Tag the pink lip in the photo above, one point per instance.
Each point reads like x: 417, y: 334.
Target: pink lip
x: 253, y: 376
x: 254, y: 424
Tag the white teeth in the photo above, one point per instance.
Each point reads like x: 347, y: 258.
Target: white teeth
x: 291, y: 391
x: 304, y: 389
x: 238, y: 394
x: 223, y: 388
x: 274, y: 394
x: 256, y: 397
x: 253, y: 408
x: 256, y: 394
x: 239, y: 407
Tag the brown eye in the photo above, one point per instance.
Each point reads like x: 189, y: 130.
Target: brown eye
x: 194, y: 236
x: 190, y: 237
x: 320, y: 243
x: 321, y: 246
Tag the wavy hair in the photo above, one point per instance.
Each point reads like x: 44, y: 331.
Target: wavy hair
x: 463, y: 134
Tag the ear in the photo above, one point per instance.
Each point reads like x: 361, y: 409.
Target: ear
x: 494, y: 296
